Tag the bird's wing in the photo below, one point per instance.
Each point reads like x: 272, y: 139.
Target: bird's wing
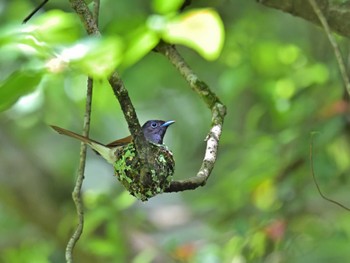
x: 120, y: 142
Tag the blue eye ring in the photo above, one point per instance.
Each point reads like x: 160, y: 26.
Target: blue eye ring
x: 153, y: 124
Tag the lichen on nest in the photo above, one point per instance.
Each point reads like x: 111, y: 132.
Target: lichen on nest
x: 144, y: 185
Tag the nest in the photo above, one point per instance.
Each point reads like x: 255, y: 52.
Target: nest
x: 144, y: 182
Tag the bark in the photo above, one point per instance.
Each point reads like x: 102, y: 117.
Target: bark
x: 337, y: 13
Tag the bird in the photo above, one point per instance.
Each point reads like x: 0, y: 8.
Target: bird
x: 153, y: 130
x: 141, y: 182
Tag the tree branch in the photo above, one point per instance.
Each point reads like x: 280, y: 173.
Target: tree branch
x: 218, y: 113
x: 141, y: 145
x: 336, y: 13
x: 79, y: 182
x: 334, y: 44
x: 201, y: 88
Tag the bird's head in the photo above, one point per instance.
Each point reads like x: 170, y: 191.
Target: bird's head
x: 154, y: 130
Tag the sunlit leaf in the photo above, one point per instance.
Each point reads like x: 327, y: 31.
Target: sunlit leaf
x: 23, y: 42
x: 95, y: 219
x: 26, y: 253
x: 340, y: 151
x: 234, y: 246
x: 18, y: 84
x: 265, y: 195
x: 101, y: 246
x: 124, y: 200
x: 97, y: 57
x: 55, y: 27
x: 166, y: 6
x: 310, y: 74
x: 146, y: 256
x: 200, y: 29
x: 288, y: 54
x: 284, y: 88
x: 41, y: 37
x: 8, y: 34
x: 258, y: 244
x: 140, y: 43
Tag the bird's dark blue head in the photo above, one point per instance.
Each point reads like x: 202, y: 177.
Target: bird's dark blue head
x: 154, y: 130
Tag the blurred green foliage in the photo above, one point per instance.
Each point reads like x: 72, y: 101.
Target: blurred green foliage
x: 53, y: 43
x: 279, y: 79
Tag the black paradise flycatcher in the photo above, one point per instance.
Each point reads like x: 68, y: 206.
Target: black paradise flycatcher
x: 122, y: 154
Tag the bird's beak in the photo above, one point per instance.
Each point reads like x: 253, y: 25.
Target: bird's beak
x: 167, y: 123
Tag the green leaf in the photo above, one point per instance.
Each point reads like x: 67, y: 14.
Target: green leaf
x: 20, y: 41
x: 16, y: 85
x: 41, y: 37
x: 265, y: 195
x: 166, y: 6
x: 200, y: 29
x: 101, y: 246
x: 141, y: 43
x: 124, y: 200
x: 55, y: 27
x: 97, y: 57
x: 8, y: 34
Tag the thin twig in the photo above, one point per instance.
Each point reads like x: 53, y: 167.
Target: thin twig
x: 218, y: 114
x: 315, y: 180
x: 25, y: 20
x: 117, y: 85
x: 79, y: 182
x: 334, y: 44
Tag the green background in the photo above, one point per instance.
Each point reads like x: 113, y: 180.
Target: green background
x: 279, y: 79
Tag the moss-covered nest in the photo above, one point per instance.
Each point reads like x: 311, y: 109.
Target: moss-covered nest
x: 141, y: 182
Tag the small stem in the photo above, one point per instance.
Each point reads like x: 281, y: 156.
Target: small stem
x: 315, y: 180
x: 79, y: 182
x: 334, y: 44
x: 28, y: 17
x: 76, y: 195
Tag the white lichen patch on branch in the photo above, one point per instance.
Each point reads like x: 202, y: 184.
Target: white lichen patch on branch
x: 212, y: 144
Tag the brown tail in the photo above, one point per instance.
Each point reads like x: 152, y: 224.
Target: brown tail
x: 74, y: 135
x: 106, y: 152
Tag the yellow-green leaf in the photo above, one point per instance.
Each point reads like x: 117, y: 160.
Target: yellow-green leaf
x: 264, y: 196
x: 55, y: 27
x: 141, y: 42
x: 166, y: 6
x: 200, y: 29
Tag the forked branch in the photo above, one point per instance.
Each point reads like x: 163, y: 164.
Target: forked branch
x: 218, y: 111
x: 116, y: 83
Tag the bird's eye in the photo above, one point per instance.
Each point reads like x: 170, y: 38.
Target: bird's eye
x: 153, y: 124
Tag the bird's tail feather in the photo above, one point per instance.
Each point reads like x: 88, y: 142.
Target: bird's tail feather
x: 106, y: 152
x: 73, y: 135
